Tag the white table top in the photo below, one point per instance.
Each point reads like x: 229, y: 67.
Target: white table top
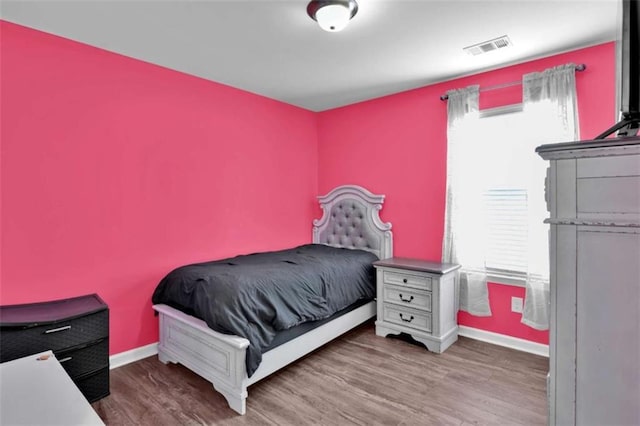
x: 37, y: 391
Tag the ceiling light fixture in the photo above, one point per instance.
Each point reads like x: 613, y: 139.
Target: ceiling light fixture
x: 332, y: 15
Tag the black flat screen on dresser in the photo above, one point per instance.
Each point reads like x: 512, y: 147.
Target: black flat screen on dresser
x: 75, y: 329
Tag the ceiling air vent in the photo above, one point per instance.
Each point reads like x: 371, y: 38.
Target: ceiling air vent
x: 488, y: 46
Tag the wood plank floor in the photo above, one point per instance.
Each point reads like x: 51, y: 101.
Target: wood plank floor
x: 357, y: 379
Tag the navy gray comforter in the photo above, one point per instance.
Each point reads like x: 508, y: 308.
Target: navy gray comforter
x: 257, y: 295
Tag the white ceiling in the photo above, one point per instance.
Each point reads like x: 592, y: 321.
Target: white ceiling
x: 271, y: 47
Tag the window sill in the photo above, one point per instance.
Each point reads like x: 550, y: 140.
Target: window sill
x: 499, y: 277
x: 506, y: 280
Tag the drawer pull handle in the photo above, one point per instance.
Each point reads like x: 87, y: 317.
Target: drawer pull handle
x: 406, y: 320
x: 404, y: 280
x: 406, y: 300
x: 55, y: 330
x: 65, y: 359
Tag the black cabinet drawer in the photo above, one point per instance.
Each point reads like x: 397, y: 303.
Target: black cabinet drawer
x: 75, y: 329
x: 94, y: 386
x: 85, y: 359
x: 16, y: 342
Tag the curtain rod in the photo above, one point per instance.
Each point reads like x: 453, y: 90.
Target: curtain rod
x: 580, y: 67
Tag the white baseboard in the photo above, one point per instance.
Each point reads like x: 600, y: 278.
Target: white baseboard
x: 504, y: 340
x: 133, y: 355
x: 127, y: 357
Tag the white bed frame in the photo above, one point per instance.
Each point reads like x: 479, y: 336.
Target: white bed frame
x: 220, y: 358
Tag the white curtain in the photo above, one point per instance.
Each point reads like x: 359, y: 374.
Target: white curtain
x: 462, y: 237
x: 550, y: 103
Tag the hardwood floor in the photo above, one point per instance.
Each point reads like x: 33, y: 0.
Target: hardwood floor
x: 357, y: 379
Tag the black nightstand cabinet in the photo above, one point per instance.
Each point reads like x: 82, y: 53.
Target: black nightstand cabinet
x: 76, y: 330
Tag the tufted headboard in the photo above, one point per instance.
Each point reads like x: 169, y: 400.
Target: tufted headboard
x: 351, y: 219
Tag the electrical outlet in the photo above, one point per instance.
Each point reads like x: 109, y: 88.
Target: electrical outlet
x: 516, y: 304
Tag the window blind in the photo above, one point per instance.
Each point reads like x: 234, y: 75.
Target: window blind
x: 507, y: 217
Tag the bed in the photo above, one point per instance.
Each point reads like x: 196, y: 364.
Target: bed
x: 350, y: 220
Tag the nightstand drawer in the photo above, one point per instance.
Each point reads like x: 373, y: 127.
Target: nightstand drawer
x: 416, y: 299
x: 406, y: 279
x: 407, y: 317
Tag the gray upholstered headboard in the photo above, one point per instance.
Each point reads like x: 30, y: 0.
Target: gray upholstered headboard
x: 351, y: 219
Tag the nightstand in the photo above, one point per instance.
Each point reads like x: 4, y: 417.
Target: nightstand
x: 418, y: 298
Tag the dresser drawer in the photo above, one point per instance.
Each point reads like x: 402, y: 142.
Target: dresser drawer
x: 17, y: 342
x: 608, y: 195
x: 85, y: 359
x: 407, y: 317
x: 95, y: 385
x: 417, y: 299
x: 407, y: 279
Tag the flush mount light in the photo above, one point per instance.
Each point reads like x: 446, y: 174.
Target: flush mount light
x: 332, y: 15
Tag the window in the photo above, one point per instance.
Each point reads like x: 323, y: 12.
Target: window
x: 510, y: 194
x: 495, y: 194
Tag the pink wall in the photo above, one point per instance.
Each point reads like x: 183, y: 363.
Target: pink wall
x: 396, y: 145
x: 115, y: 171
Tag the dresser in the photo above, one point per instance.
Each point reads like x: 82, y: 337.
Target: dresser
x: 417, y: 298
x: 593, y: 196
x: 76, y: 330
